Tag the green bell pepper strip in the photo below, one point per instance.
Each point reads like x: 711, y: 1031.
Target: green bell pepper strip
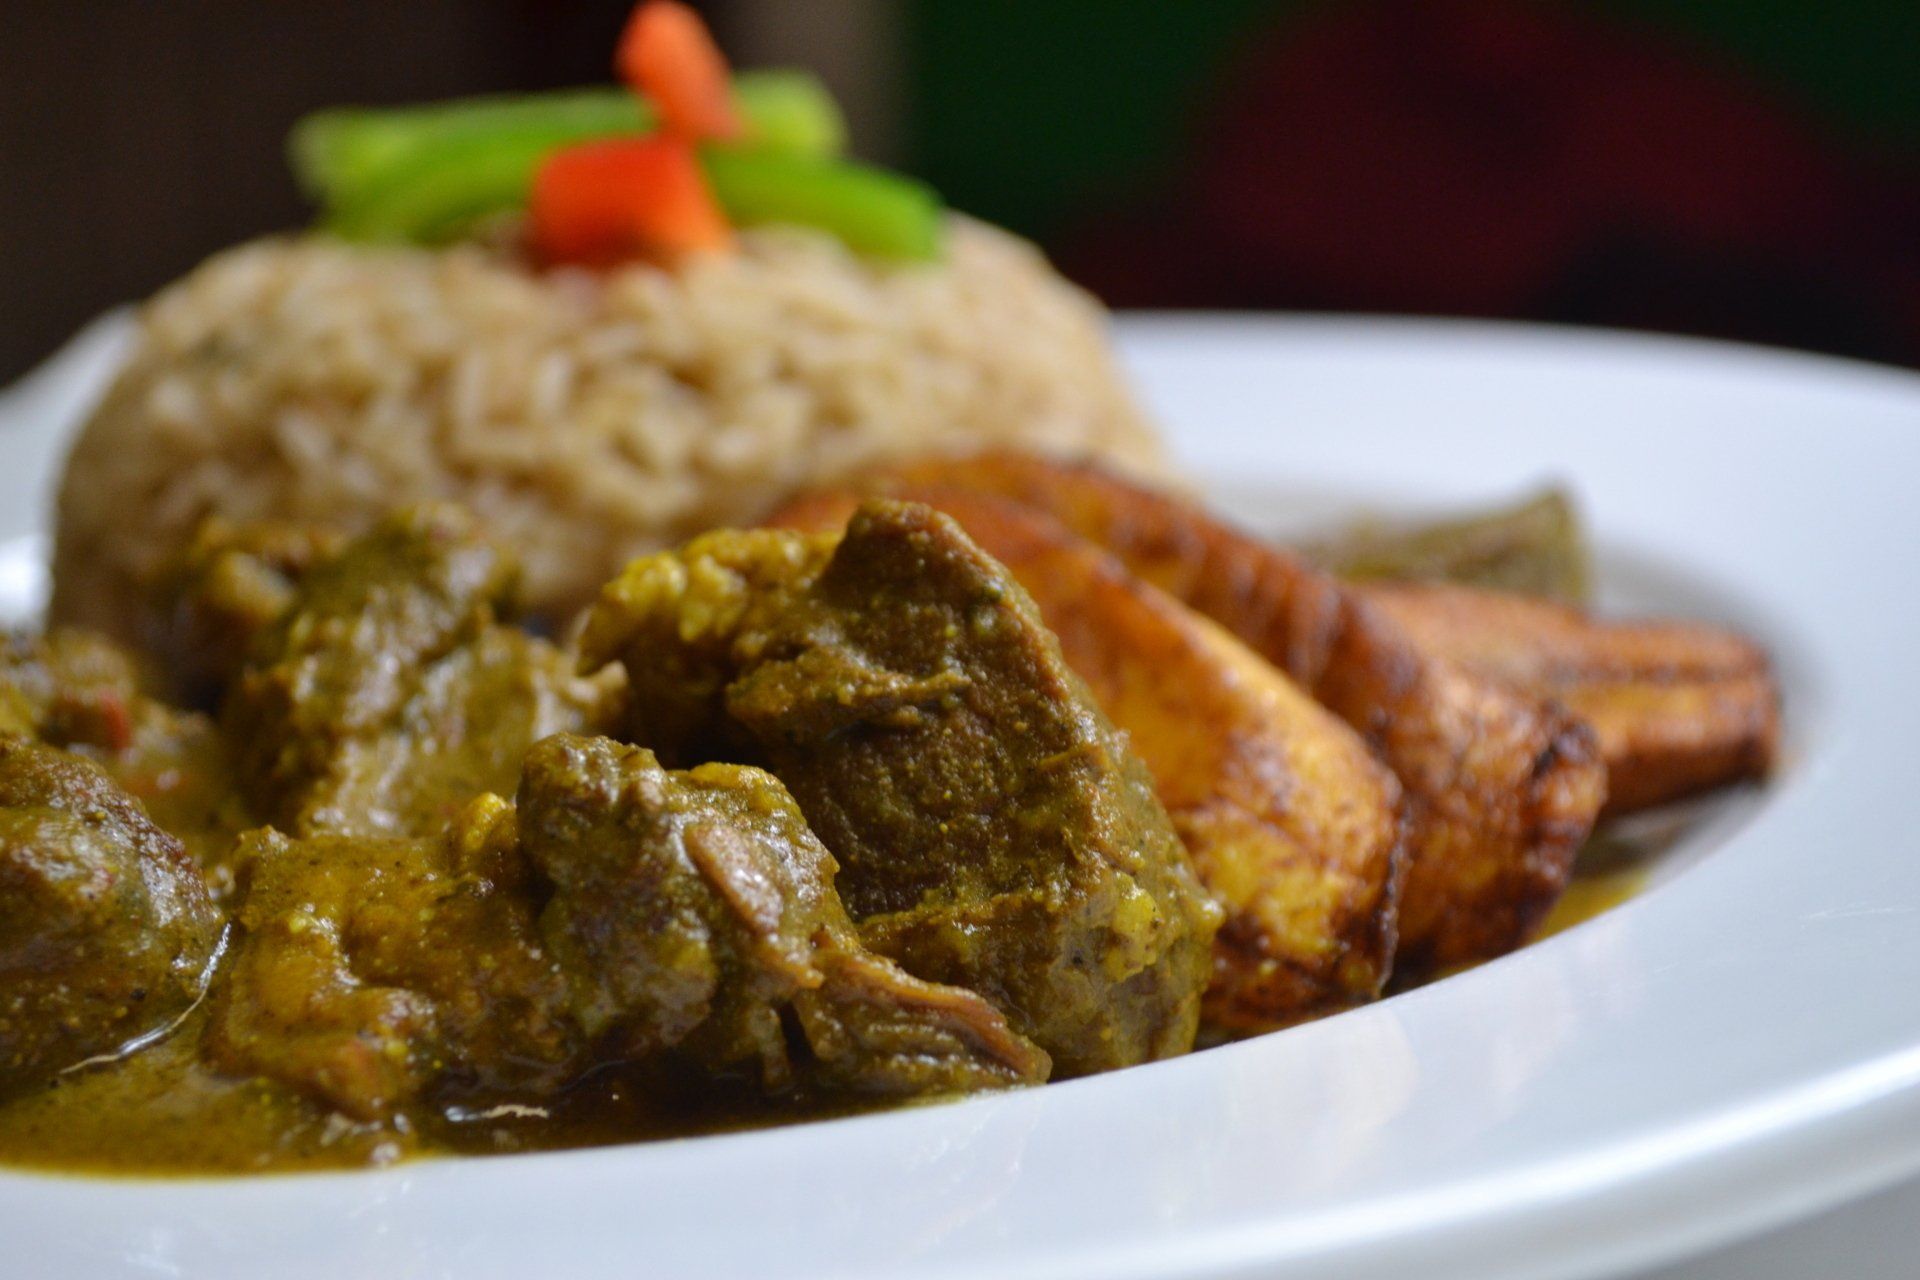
x: 340, y: 154
x: 870, y: 210
x: 789, y: 113
x: 425, y: 174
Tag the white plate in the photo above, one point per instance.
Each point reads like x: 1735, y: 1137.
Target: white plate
x: 1739, y: 1045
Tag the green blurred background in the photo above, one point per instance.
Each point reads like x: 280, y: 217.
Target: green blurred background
x: 1030, y: 113
x: 1747, y: 168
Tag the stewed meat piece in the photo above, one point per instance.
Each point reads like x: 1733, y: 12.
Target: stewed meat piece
x: 695, y: 913
x: 992, y: 828
x: 387, y: 694
x: 369, y: 970
x: 106, y: 929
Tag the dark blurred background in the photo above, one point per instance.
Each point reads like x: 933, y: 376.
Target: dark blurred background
x: 1743, y: 168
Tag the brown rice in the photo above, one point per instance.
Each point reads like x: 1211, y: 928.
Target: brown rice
x: 585, y: 418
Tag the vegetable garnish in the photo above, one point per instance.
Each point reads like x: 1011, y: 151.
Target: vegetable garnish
x: 867, y: 209
x: 767, y: 142
x: 668, y: 56
x: 598, y: 203
x: 601, y: 203
x: 426, y: 174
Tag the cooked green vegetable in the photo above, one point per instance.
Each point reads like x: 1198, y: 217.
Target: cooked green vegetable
x: 1535, y: 548
x: 871, y: 210
x: 340, y: 154
x: 436, y: 199
x: 791, y: 113
x: 427, y: 173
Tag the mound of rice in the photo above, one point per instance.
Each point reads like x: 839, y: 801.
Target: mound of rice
x: 585, y: 418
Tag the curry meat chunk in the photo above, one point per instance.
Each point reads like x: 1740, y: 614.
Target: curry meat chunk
x: 106, y: 929
x: 369, y: 970
x: 626, y: 914
x: 230, y: 585
x: 69, y: 689
x: 695, y: 914
x: 992, y: 828
x: 386, y: 696
x: 81, y: 692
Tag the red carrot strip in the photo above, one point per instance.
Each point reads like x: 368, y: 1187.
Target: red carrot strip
x: 667, y: 54
x: 601, y: 203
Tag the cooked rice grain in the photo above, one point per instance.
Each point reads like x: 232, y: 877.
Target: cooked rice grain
x: 586, y: 418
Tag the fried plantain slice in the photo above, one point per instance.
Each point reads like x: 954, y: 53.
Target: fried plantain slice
x: 1503, y: 789
x: 1292, y: 823
x: 1501, y: 786
x: 1677, y: 707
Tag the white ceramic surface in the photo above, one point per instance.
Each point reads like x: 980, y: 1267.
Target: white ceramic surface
x: 1739, y: 1045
